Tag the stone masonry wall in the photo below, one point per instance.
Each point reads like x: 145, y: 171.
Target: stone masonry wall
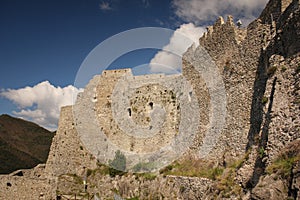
x: 236, y: 52
x: 27, y: 184
x: 137, y: 115
x: 67, y: 154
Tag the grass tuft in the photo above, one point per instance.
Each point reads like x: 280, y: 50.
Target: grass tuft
x: 283, y: 166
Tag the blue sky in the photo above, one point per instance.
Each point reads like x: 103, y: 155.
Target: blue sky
x: 44, y: 42
x: 40, y: 38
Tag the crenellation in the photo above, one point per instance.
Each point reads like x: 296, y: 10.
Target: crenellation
x: 209, y: 30
x: 218, y: 23
x: 143, y: 77
x: 222, y: 32
x: 230, y: 21
x: 116, y: 72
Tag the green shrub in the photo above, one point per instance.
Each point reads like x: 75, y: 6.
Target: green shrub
x: 237, y: 164
x: 193, y: 168
x: 264, y: 100
x: 283, y: 166
x: 226, y: 184
x: 166, y: 169
x: 147, y: 176
x: 215, y: 172
x: 261, y: 152
x: 224, y: 177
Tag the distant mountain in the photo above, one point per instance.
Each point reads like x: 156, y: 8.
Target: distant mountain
x: 23, y: 144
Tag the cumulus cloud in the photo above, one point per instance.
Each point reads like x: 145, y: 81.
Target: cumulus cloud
x: 200, y: 11
x: 42, y: 102
x: 105, y: 6
x: 169, y: 59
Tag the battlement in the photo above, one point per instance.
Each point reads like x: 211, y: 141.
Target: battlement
x: 117, y: 72
x: 219, y: 24
x: 127, y: 73
x: 222, y: 31
x: 153, y: 76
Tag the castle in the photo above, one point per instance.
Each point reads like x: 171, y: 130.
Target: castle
x: 260, y: 71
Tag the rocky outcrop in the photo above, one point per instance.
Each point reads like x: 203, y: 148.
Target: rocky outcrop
x: 270, y: 188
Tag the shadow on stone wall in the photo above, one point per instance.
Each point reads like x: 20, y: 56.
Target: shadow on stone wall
x: 256, y: 115
x: 260, y: 162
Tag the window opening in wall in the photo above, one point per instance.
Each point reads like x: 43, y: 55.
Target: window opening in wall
x: 129, y: 112
x: 151, y: 105
x: 190, y: 96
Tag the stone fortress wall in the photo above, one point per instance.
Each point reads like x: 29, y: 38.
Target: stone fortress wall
x: 258, y: 65
x: 245, y: 56
x: 136, y: 114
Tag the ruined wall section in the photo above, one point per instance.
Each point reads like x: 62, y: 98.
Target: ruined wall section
x: 136, y: 114
x: 130, y: 186
x: 283, y: 55
x: 222, y: 41
x: 285, y: 124
x: 67, y: 153
x: 201, y: 92
x: 27, y: 184
x: 136, y: 97
x: 262, y: 85
x: 15, y: 187
x: 236, y: 52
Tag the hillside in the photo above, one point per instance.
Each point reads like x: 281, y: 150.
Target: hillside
x: 23, y: 144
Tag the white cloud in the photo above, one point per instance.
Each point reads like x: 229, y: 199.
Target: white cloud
x: 104, y: 6
x: 199, y: 11
x: 169, y: 59
x: 42, y: 102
